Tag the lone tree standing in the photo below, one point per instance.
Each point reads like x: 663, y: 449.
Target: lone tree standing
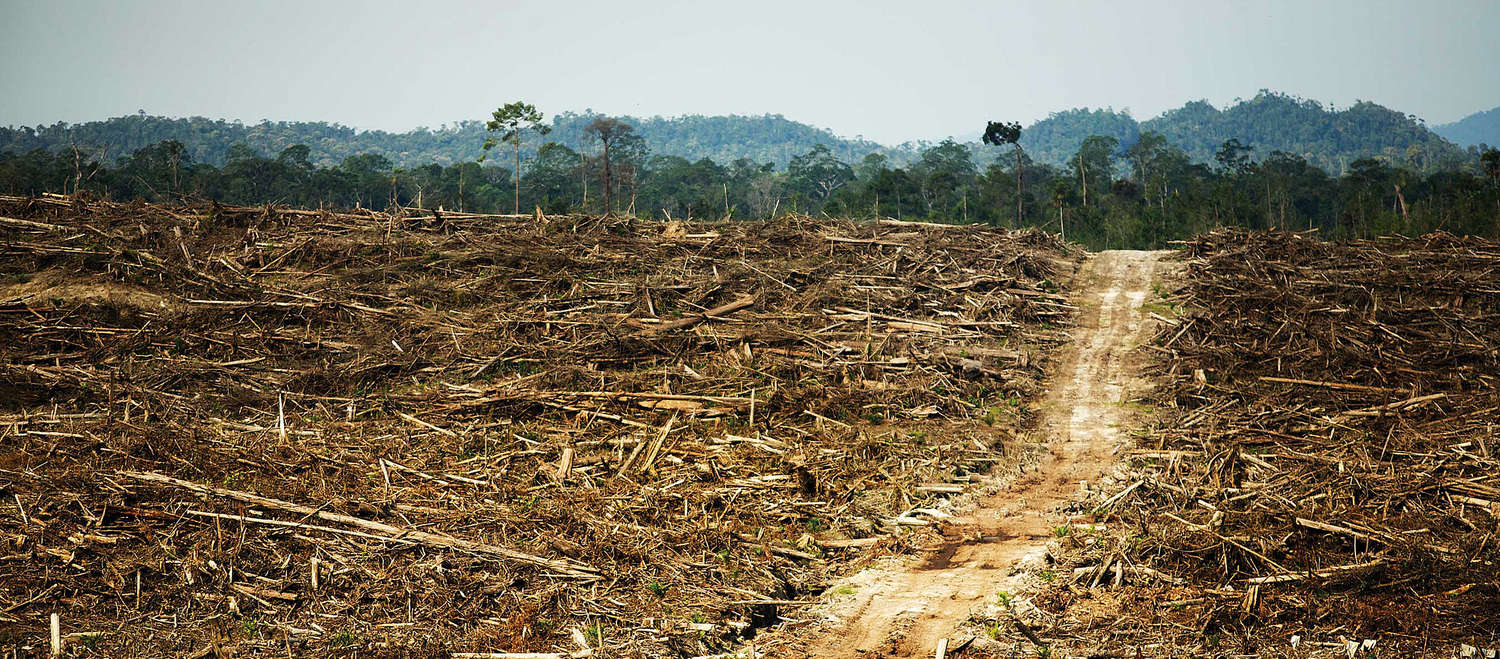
x: 609, y: 132
x: 514, y: 118
x: 998, y: 133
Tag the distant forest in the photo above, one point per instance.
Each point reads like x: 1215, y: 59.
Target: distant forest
x: 767, y: 138
x: 1325, y: 137
x: 1478, y: 129
x: 1107, y: 194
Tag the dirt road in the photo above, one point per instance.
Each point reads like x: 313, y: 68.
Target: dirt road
x: 906, y: 612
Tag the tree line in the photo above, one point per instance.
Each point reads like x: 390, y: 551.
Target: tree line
x: 1327, y: 137
x: 763, y: 138
x: 1106, y: 195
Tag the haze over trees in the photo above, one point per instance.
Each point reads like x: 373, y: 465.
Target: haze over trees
x: 1142, y: 195
x: 1131, y: 186
x: 1329, y: 138
x: 1478, y: 129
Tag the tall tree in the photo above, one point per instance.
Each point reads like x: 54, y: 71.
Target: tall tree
x: 945, y: 173
x: 819, y: 173
x: 1144, y: 152
x: 610, y: 133
x: 1095, y: 156
x: 510, y: 120
x: 999, y: 133
x: 551, y: 180
x: 1233, y: 157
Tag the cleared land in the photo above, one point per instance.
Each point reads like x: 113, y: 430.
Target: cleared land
x: 910, y: 608
x: 260, y: 431
x: 270, y: 432
x: 1324, y: 468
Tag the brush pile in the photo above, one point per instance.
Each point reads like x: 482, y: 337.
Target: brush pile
x: 261, y: 430
x: 1327, y: 469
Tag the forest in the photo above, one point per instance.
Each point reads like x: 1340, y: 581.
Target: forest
x: 1107, y: 196
x: 1327, y: 137
x: 724, y: 138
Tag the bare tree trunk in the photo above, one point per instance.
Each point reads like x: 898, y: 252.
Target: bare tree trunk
x: 607, y: 206
x: 1405, y: 219
x: 1019, y: 216
x: 1270, y: 219
x: 1083, y: 176
x: 517, y: 174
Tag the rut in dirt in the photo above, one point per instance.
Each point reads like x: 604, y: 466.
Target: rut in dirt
x: 908, y: 612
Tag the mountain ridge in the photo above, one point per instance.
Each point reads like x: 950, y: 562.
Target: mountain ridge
x: 1328, y: 137
x: 1482, y: 127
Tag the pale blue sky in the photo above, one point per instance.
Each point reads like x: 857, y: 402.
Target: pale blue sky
x: 890, y: 71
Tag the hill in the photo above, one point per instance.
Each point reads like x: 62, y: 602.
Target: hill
x: 1324, y: 136
x: 724, y: 139
x: 1329, y: 138
x: 1473, y: 130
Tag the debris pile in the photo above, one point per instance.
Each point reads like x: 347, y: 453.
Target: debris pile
x: 263, y: 429
x: 1326, y: 468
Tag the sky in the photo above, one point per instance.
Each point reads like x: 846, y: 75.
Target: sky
x: 888, y: 71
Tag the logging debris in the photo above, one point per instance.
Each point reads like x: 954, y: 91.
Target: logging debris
x: 1324, y: 465
x: 271, y: 431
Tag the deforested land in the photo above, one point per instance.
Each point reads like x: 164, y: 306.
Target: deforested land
x: 259, y: 431
x: 265, y: 431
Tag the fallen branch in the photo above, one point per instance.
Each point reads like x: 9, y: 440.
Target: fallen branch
x: 569, y: 568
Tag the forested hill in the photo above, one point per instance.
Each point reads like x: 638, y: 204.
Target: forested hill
x: 724, y: 139
x: 1324, y: 136
x: 1473, y: 130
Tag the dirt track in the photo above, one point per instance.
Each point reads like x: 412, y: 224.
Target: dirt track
x: 906, y: 612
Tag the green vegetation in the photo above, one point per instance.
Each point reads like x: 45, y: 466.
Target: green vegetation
x: 1332, y: 140
x: 657, y: 588
x: 724, y: 139
x: 1329, y: 138
x: 511, y: 120
x: 1122, y: 185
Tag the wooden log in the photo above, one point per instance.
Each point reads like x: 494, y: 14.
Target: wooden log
x: 569, y: 568
x: 687, y: 321
x: 1326, y: 573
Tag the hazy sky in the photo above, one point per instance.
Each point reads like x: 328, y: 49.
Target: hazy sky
x: 890, y: 71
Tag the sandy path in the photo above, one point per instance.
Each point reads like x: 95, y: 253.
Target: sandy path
x: 904, y: 613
